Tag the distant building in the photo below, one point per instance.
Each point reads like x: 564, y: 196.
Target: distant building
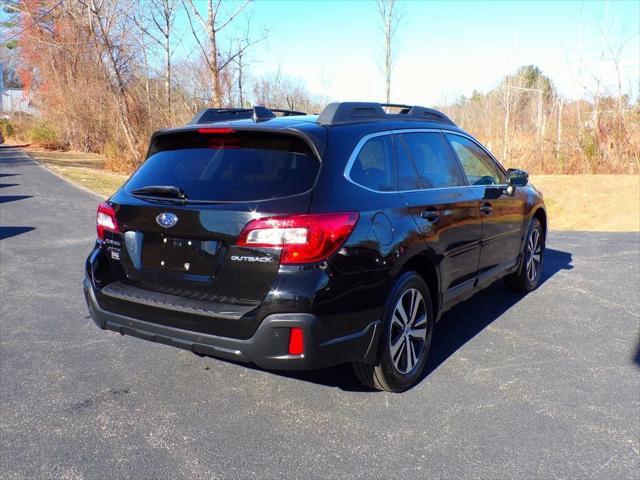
x: 14, y: 100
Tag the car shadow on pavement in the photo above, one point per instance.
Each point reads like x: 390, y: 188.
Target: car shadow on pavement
x: 467, y: 319
x: 457, y: 327
x: 7, y: 232
x: 13, y: 198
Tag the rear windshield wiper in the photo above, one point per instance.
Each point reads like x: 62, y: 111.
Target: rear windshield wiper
x: 168, y: 191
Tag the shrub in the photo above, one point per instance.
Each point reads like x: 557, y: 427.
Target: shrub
x: 117, y: 159
x: 6, y: 129
x: 42, y: 134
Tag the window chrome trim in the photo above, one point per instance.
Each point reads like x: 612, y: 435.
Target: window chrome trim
x: 366, y: 138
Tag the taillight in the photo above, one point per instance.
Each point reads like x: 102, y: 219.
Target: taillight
x: 303, y: 238
x: 106, y: 220
x: 296, y: 341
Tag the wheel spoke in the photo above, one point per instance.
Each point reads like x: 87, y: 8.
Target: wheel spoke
x: 420, y: 333
x: 421, y: 320
x: 397, y: 322
x: 395, y: 346
x: 409, y: 354
x: 401, y: 312
x: 536, y: 257
x: 416, y: 302
x: 532, y: 272
x: 412, y: 299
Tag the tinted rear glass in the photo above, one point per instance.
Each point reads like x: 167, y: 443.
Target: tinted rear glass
x: 232, y: 167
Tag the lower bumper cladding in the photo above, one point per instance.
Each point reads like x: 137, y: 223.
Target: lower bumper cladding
x: 268, y: 348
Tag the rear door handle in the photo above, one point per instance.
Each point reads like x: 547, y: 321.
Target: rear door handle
x: 486, y: 208
x: 431, y: 215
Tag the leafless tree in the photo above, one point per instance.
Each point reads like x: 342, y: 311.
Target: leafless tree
x: 161, y: 18
x: 215, y: 56
x: 390, y: 18
x: 109, y: 35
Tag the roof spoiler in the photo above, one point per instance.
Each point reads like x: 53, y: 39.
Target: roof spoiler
x: 257, y: 113
x: 341, y: 113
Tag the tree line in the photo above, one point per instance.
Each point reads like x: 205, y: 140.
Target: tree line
x: 105, y: 74
x: 526, y: 122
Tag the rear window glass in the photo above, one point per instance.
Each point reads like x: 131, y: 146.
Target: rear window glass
x: 232, y: 167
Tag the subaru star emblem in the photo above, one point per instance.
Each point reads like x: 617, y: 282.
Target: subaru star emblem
x: 167, y: 220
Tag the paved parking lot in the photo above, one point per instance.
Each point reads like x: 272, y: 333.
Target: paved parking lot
x: 546, y: 385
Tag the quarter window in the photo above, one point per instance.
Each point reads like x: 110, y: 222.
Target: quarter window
x: 479, y: 167
x: 433, y: 159
x: 373, y: 167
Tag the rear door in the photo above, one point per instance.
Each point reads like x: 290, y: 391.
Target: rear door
x: 503, y: 215
x: 188, y: 247
x: 446, y: 211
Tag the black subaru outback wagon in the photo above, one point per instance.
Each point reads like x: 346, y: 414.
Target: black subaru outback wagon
x: 299, y: 242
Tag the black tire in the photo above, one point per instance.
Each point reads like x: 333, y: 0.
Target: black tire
x: 523, y: 281
x: 397, y: 372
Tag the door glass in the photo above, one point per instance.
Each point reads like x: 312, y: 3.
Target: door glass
x: 407, y: 175
x: 434, y: 161
x: 373, y: 167
x: 478, y: 166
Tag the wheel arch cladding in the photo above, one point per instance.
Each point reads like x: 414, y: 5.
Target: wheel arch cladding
x: 541, y: 215
x: 423, y: 266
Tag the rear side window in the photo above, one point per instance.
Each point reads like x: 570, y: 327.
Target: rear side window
x: 478, y: 166
x: 436, y: 165
x: 232, y: 167
x: 374, y: 166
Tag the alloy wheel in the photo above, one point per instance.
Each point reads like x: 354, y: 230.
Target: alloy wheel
x: 408, y: 331
x: 534, y: 255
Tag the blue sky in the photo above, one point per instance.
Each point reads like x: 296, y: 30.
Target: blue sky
x: 444, y: 48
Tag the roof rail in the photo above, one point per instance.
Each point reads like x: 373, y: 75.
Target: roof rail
x: 351, y: 112
x: 257, y: 113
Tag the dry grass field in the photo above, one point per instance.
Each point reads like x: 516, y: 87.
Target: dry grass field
x: 86, y: 169
x: 601, y: 203
x: 608, y: 203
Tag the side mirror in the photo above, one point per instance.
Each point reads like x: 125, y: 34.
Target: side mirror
x: 517, y: 178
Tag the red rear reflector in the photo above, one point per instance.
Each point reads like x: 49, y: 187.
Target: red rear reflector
x: 302, y: 238
x: 106, y: 220
x: 216, y: 130
x: 296, y: 341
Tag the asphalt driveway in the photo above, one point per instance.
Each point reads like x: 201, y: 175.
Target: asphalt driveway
x: 542, y: 386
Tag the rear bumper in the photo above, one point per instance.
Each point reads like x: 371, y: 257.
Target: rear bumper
x: 267, y: 348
